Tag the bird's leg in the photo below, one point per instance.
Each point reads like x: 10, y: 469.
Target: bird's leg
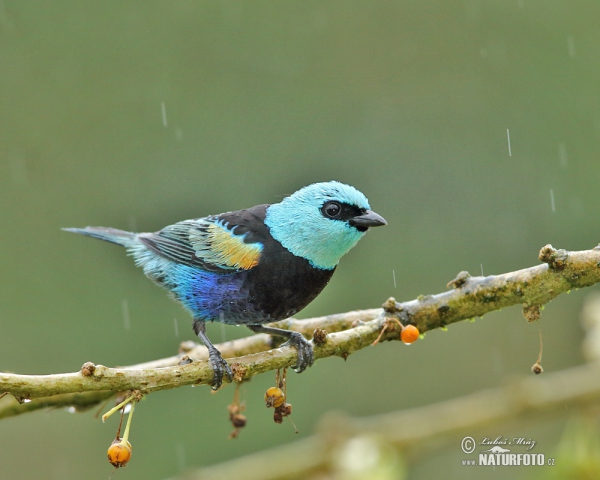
x: 218, y: 363
x: 306, y: 356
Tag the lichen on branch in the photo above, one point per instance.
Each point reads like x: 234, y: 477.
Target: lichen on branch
x: 337, y: 335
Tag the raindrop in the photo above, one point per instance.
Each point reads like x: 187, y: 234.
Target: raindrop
x: 520, y: 3
x: 163, y: 111
x: 481, y: 265
x: 178, y: 133
x: 508, y: 138
x: 394, y: 275
x: 176, y: 327
x: 552, y: 200
x: 125, y: 311
x: 71, y: 409
x: 562, y: 155
x: 26, y: 400
x: 571, y: 45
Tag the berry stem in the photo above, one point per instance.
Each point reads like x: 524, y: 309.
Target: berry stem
x: 118, y: 407
x: 128, y: 425
x: 120, y: 424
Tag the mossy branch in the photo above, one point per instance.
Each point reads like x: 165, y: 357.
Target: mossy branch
x: 346, y: 333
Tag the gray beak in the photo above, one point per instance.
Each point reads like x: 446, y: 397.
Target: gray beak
x: 367, y: 219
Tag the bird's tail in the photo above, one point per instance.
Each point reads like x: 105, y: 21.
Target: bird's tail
x: 113, y: 235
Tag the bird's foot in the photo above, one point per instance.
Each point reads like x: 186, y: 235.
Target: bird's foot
x: 220, y: 368
x: 306, y: 355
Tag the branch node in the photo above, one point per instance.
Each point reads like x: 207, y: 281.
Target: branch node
x: 239, y: 371
x: 531, y: 312
x: 137, y: 395
x: 391, y: 306
x: 556, y: 259
x: 88, y: 369
x: 99, y: 371
x: 461, y: 279
x: 320, y: 336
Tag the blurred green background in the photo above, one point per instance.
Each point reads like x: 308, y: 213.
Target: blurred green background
x: 140, y: 114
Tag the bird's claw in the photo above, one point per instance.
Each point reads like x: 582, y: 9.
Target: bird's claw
x: 306, y: 355
x: 220, y: 368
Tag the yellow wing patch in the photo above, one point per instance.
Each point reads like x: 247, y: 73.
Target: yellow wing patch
x: 230, y: 250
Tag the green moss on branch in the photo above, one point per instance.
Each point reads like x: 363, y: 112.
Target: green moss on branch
x: 346, y: 333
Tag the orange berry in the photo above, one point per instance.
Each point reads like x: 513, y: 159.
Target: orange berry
x: 274, y: 397
x: 119, y: 453
x: 409, y: 334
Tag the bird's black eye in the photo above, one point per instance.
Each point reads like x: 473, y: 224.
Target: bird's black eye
x: 331, y: 209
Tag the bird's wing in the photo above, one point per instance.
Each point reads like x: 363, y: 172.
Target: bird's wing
x: 211, y: 243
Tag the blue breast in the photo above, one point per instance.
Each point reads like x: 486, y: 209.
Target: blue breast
x: 212, y: 296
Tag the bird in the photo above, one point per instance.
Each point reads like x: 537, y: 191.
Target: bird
x: 253, y: 266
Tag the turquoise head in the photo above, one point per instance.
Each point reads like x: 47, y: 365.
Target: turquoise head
x: 322, y: 222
